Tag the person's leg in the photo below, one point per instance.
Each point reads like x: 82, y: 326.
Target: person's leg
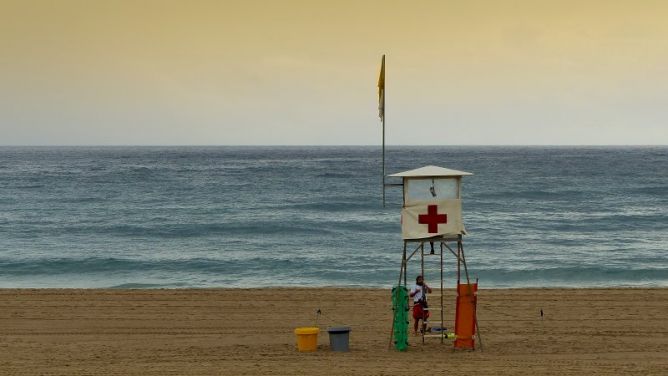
x: 416, y: 317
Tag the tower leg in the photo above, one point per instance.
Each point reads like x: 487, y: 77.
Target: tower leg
x: 459, y: 258
x: 424, y: 292
x: 442, y: 331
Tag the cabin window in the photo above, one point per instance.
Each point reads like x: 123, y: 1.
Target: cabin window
x: 431, y: 189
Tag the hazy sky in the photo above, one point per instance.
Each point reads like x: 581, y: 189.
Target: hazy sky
x: 305, y: 72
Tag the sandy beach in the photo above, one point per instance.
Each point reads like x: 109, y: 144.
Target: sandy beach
x: 250, y: 332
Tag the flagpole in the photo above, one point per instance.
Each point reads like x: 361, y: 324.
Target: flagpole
x: 383, y: 153
x: 383, y: 120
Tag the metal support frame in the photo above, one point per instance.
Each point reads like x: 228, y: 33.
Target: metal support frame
x: 461, y: 261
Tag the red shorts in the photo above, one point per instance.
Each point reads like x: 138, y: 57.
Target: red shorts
x: 419, y: 312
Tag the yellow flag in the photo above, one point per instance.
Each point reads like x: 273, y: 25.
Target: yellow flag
x: 381, y: 90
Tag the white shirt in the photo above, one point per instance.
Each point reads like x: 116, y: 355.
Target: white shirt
x: 417, y: 290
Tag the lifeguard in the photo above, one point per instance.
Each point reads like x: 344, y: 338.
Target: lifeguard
x: 420, y: 308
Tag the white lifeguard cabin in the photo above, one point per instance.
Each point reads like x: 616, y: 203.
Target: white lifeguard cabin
x: 432, y: 203
x: 432, y: 213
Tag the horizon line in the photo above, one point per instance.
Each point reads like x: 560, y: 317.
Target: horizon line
x: 333, y: 145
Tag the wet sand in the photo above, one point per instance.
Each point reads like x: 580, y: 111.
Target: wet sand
x: 250, y: 332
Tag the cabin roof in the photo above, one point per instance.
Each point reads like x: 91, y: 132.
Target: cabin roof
x: 430, y: 171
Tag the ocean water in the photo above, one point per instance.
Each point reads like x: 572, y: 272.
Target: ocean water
x: 312, y: 216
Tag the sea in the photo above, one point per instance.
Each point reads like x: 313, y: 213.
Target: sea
x: 258, y: 216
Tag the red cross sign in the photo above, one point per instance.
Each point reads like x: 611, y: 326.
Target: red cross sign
x: 432, y: 219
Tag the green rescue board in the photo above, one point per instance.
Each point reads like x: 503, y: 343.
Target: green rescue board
x: 400, y: 308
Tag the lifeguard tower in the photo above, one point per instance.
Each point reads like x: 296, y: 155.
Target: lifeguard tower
x: 432, y: 215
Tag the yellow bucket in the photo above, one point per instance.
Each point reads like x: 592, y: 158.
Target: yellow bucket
x: 307, y: 338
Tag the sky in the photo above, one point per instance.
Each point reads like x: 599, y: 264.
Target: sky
x: 291, y: 72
